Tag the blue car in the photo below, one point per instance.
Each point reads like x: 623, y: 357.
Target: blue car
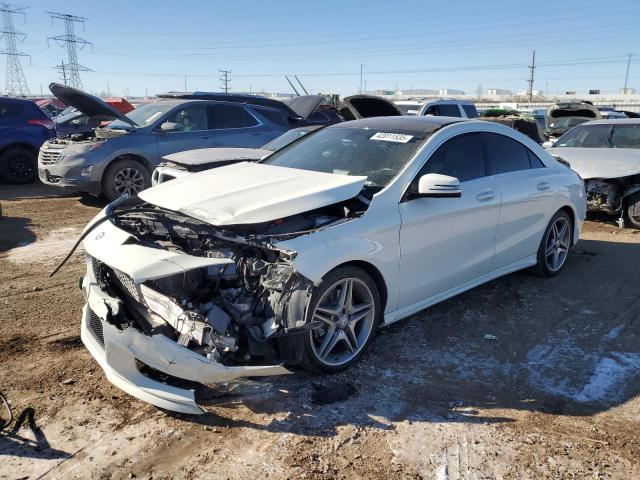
x: 23, y: 129
x: 119, y: 158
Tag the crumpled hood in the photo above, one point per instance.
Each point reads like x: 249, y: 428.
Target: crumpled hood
x: 249, y: 193
x: 87, y: 104
x: 600, y: 162
x: 203, y: 156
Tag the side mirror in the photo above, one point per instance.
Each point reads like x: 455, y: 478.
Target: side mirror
x: 167, y: 127
x: 547, y: 144
x: 436, y: 185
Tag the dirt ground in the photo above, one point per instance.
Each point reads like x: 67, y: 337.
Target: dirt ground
x: 521, y: 378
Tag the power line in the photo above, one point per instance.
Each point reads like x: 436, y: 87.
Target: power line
x: 225, y: 80
x: 16, y: 83
x: 70, y: 72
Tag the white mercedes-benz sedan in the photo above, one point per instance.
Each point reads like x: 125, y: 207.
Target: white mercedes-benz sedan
x: 252, y: 269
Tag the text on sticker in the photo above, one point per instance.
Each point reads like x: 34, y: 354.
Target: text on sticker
x: 391, y: 137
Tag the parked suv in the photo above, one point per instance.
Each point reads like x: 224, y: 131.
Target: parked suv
x: 23, y: 129
x: 120, y: 157
x: 445, y: 107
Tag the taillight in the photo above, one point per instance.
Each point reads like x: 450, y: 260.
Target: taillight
x: 42, y: 123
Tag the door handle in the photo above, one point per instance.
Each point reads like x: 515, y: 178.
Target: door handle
x: 543, y: 186
x: 486, y: 195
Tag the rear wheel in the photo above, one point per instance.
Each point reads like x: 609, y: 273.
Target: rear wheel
x: 20, y: 165
x: 555, y: 245
x: 633, y: 210
x: 125, y: 176
x: 347, y: 304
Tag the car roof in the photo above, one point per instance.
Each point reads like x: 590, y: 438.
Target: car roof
x: 426, y: 124
x: 614, y: 121
x: 18, y: 100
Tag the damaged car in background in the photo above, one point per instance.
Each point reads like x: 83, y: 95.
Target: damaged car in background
x: 563, y: 116
x: 120, y: 157
x: 257, y: 269
x: 606, y: 154
x: 180, y: 164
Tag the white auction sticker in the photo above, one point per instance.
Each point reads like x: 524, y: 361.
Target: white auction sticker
x: 391, y: 137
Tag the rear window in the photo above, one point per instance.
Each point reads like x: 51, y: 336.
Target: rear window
x: 470, y: 110
x: 10, y: 110
x: 229, y: 116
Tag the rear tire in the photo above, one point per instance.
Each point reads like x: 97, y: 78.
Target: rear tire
x: 632, y: 211
x: 347, y: 327
x: 20, y: 165
x: 555, y: 245
x: 125, y: 176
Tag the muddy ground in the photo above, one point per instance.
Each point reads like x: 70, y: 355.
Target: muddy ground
x: 521, y: 378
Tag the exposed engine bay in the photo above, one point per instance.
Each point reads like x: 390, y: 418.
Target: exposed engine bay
x: 247, y: 308
x: 608, y: 195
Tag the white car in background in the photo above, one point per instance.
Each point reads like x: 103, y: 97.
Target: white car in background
x: 606, y: 154
x: 179, y: 164
x: 256, y: 268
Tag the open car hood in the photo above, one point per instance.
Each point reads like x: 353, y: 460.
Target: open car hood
x: 249, y: 193
x: 203, y: 156
x: 365, y: 106
x: 600, y: 162
x: 305, y: 105
x: 87, y: 104
x: 571, y: 109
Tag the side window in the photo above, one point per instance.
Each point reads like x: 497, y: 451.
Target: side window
x: 229, y: 116
x: 449, y: 110
x: 461, y: 157
x: 431, y: 111
x: 273, y: 115
x: 534, y: 161
x: 470, y: 110
x: 189, y: 119
x: 507, y: 155
x: 318, y: 116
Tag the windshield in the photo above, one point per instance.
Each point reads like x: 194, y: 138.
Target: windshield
x: 286, y: 138
x: 144, y: 115
x: 601, y: 136
x: 378, y: 155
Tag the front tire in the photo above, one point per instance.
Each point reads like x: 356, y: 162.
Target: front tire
x: 125, y: 176
x: 347, y: 303
x: 632, y: 211
x: 20, y: 165
x: 555, y: 245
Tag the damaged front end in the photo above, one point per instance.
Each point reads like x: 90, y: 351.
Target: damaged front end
x: 174, y: 303
x: 609, y: 195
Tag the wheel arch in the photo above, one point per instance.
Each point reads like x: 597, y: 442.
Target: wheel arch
x: 135, y: 157
x: 568, y: 209
x: 375, y: 275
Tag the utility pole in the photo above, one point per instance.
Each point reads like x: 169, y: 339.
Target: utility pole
x: 185, y: 83
x: 532, y: 68
x: 626, y: 76
x: 16, y: 84
x: 71, y: 42
x: 361, y: 66
x: 225, y: 80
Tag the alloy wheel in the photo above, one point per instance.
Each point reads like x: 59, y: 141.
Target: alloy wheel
x: 128, y: 180
x: 347, y: 312
x: 557, y: 244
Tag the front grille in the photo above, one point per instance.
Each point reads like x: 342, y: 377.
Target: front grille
x: 95, y: 324
x: 50, y: 157
x: 126, y: 282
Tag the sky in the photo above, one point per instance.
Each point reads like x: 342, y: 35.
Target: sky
x: 144, y: 47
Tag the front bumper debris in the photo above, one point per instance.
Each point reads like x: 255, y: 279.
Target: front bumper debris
x: 121, y: 352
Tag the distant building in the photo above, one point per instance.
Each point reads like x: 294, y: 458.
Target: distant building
x: 418, y: 92
x: 498, y: 91
x: 450, y: 91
